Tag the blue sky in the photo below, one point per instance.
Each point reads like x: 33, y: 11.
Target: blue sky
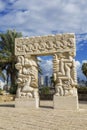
x: 43, y: 17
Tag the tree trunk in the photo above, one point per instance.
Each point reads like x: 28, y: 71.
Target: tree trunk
x: 13, y: 74
x: 13, y: 78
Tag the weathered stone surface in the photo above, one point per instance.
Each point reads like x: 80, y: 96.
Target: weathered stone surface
x: 65, y: 102
x: 45, y: 44
x: 62, y: 47
x: 65, y: 77
x: 27, y: 77
x: 30, y: 103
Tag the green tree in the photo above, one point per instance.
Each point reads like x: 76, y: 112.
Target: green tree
x: 7, y: 56
x: 2, y: 75
x: 84, y: 69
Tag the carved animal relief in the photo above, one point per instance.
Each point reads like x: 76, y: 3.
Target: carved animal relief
x: 27, y: 76
x: 62, y: 47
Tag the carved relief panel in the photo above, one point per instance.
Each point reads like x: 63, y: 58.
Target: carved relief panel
x: 45, y: 44
x: 64, y: 74
x: 27, y: 76
x: 63, y: 49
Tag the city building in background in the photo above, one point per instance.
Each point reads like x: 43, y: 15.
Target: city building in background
x: 46, y: 81
x: 41, y: 81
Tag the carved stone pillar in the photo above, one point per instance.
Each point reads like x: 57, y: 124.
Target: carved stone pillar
x: 63, y: 49
x: 65, y: 79
x: 64, y: 74
x: 27, y: 77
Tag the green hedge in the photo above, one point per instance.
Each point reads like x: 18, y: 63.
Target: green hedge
x: 44, y: 90
x: 82, y: 90
x: 13, y: 89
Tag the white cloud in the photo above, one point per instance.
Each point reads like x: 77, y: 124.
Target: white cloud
x: 71, y: 8
x: 78, y: 65
x: 84, y: 61
x: 2, y: 5
x: 12, y: 1
x: 42, y: 17
x: 46, y: 66
x: 39, y: 58
x: 79, y: 71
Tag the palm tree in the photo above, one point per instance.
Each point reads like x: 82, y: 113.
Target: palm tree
x: 84, y: 69
x: 7, y: 56
x: 2, y: 75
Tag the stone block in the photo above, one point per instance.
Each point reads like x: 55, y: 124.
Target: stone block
x: 65, y: 102
x: 30, y: 103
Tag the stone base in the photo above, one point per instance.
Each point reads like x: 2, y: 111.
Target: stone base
x: 27, y: 103
x: 65, y: 102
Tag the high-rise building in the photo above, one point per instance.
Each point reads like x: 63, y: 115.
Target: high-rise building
x: 41, y: 80
x: 46, y: 81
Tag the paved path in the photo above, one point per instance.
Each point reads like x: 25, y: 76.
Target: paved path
x: 42, y: 119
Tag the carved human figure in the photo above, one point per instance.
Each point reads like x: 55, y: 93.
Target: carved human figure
x: 59, y: 63
x: 19, y: 64
x: 28, y: 76
x: 59, y: 88
x: 62, y: 64
x: 67, y: 85
x: 56, y: 62
x: 70, y: 68
x: 64, y: 69
x: 27, y: 87
x: 24, y: 88
x: 20, y: 60
x: 73, y: 70
x: 30, y: 61
x: 65, y: 66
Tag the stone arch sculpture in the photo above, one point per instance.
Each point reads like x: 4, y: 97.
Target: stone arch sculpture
x: 63, y: 49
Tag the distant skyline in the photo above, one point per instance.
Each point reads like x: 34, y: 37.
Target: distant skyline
x: 44, y: 17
